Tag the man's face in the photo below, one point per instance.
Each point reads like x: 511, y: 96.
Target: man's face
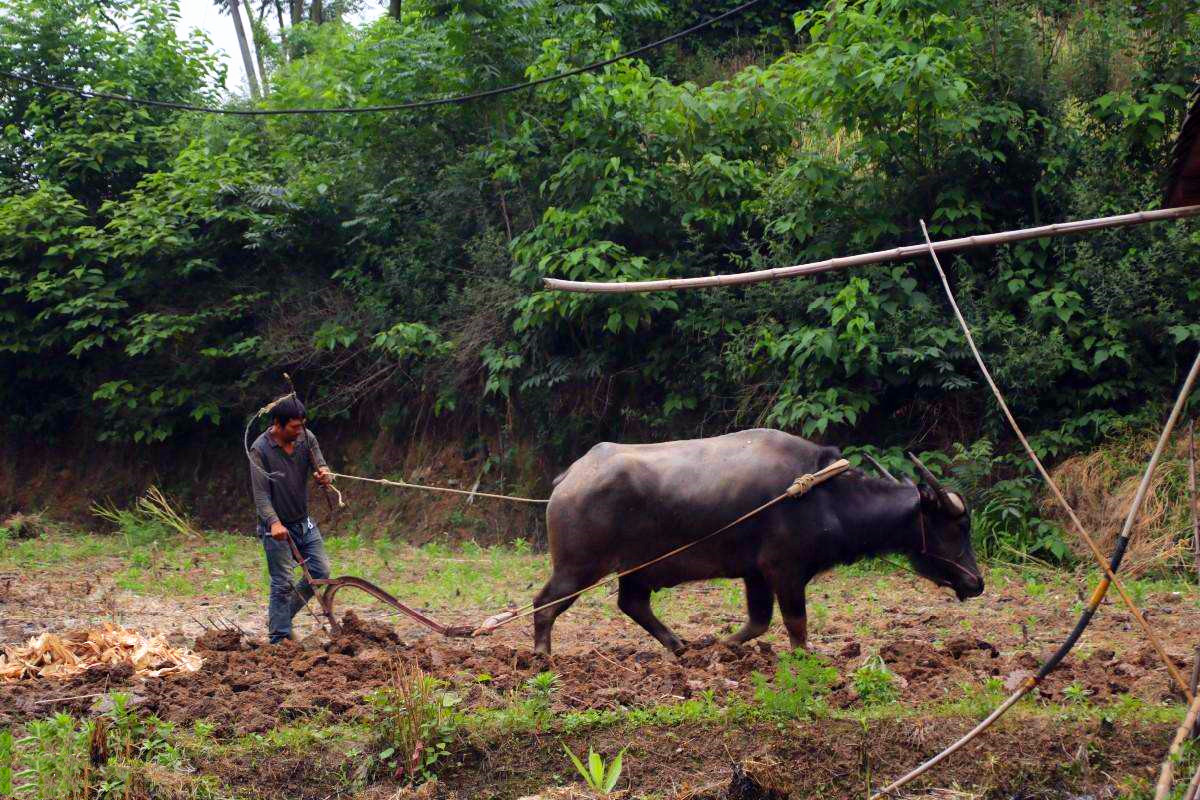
x: 291, y: 431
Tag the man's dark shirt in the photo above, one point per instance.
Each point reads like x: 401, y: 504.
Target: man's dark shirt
x: 283, y: 497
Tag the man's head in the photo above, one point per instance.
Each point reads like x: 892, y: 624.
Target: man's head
x: 288, y: 415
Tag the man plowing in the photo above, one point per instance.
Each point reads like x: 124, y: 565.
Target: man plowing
x: 281, y: 460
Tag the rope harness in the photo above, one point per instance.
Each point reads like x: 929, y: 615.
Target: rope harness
x: 925, y: 552
x: 329, y: 587
x: 447, y: 490
x: 800, y: 486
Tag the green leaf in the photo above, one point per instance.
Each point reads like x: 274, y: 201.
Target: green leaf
x: 595, y: 768
x: 614, y: 772
x: 578, y: 764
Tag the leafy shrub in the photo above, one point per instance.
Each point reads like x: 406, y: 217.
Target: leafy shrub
x: 795, y: 691
x: 875, y: 683
x: 417, y: 722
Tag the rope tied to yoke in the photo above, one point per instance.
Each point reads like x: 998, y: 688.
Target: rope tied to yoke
x: 802, y: 484
x: 445, y: 489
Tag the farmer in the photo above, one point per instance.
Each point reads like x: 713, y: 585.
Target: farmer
x: 281, y: 458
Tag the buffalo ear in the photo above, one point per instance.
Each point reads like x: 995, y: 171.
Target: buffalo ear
x: 929, y: 498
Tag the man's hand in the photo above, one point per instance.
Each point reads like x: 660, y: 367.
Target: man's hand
x: 278, y: 531
x: 323, y: 477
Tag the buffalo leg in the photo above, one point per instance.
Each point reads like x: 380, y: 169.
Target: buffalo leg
x: 634, y: 599
x: 760, y: 602
x: 560, y: 584
x: 791, y: 605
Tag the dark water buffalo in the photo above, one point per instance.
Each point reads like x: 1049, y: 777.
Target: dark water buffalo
x: 622, y: 505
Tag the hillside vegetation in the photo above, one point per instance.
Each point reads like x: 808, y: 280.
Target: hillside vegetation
x: 159, y: 269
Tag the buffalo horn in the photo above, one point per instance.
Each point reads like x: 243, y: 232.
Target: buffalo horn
x: 949, y: 500
x: 879, y: 467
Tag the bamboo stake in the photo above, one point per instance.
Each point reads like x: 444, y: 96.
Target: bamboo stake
x: 877, y: 257
x: 1193, y: 786
x: 1166, y: 774
x: 1110, y: 576
x: 1192, y: 495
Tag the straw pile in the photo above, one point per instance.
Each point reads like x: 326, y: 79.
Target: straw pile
x: 49, y: 655
x: 1100, y: 485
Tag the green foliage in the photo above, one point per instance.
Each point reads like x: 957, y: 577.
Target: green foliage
x: 417, y: 722
x: 875, y: 683
x: 111, y: 756
x: 6, y: 763
x: 1076, y: 694
x: 600, y: 779
x: 157, y: 269
x: 795, y: 691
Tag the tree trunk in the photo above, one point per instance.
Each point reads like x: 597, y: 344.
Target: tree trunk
x: 394, y: 8
x: 297, y: 11
x: 318, y: 13
x: 255, y: 31
x: 235, y: 11
x: 283, y: 49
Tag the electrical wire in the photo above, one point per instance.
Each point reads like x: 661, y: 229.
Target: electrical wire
x: 407, y: 106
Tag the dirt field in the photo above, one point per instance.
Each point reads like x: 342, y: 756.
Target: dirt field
x: 297, y: 720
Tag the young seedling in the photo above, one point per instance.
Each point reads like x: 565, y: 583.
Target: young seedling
x: 600, y: 779
x: 875, y: 683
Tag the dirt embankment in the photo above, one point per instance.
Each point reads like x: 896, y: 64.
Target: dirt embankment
x: 206, y: 478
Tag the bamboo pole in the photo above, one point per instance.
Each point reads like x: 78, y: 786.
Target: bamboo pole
x: 1110, y: 569
x: 1167, y: 772
x: 1193, y: 787
x: 877, y: 257
x: 1192, y: 496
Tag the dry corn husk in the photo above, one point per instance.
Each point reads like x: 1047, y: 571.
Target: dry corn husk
x: 50, y: 655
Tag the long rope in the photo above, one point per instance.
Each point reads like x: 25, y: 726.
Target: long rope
x: 412, y: 104
x: 447, y: 490
x: 246, y: 435
x: 1110, y: 567
x: 1138, y: 498
x: 800, y: 486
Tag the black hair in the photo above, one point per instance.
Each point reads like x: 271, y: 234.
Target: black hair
x: 287, y: 409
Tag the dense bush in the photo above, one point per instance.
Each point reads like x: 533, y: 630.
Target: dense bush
x: 158, y: 269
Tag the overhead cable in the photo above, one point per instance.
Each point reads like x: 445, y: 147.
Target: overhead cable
x: 407, y: 106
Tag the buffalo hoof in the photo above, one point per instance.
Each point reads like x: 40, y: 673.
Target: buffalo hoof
x: 747, y: 633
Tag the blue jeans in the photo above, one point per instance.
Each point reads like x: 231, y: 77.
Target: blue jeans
x: 286, y: 597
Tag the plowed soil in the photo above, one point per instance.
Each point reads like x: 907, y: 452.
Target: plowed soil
x: 939, y: 650
x: 250, y: 687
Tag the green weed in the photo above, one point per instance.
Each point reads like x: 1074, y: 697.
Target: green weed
x: 600, y: 779
x: 109, y: 757
x: 6, y: 763
x: 795, y: 691
x: 875, y: 683
x: 1077, y: 694
x: 818, y: 615
x: 417, y: 722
